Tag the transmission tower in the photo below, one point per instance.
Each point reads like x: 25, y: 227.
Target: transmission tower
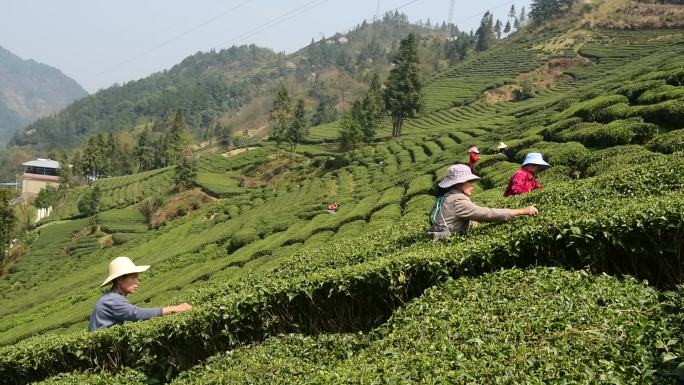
x: 451, y: 18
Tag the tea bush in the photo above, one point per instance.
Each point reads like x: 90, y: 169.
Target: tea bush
x: 668, y: 143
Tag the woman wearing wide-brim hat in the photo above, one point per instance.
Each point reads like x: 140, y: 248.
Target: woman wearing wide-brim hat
x: 457, y: 213
x: 113, y: 308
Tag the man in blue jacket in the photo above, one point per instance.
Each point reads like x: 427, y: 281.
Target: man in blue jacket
x: 113, y: 308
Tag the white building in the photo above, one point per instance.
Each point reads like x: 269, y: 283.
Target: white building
x: 38, y: 174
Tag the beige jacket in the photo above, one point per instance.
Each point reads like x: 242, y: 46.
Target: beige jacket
x: 458, y: 212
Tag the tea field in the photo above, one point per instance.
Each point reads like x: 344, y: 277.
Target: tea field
x: 284, y: 292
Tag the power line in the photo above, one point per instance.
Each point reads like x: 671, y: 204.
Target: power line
x: 275, y: 21
x: 170, y: 40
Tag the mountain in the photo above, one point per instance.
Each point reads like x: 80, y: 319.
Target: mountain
x: 29, y: 90
x: 233, y: 86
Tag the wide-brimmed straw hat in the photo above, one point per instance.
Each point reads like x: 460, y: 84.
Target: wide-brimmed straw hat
x: 120, y: 266
x: 501, y: 145
x: 458, y: 173
x: 535, y: 158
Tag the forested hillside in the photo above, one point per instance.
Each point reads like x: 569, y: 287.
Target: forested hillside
x: 286, y: 292
x: 213, y: 86
x: 29, y: 90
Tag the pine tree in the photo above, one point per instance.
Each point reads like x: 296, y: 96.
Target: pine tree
x: 497, y: 29
x: 523, y: 17
x: 298, y: 128
x: 350, y: 133
x: 144, y: 152
x: 403, y: 88
x: 186, y: 172
x: 280, y: 115
x: 176, y: 138
x: 368, y: 110
x: 65, y: 175
x: 507, y: 28
x: 485, y: 33
x: 542, y: 10
x: 511, y: 13
x: 89, y: 204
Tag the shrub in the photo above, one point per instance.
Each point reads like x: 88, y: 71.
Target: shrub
x: 243, y: 237
x: 668, y: 143
x: 661, y: 94
x: 588, y: 110
x: 497, y: 174
x: 605, y: 160
x: 551, y: 132
x: 537, y: 326
x: 421, y: 185
x: 634, y: 89
x: 556, y: 174
x: 618, y: 132
x: 668, y: 114
x: 519, y: 144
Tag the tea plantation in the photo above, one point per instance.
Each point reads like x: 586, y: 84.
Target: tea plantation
x: 286, y: 293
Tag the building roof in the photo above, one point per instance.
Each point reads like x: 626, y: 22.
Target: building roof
x: 46, y: 163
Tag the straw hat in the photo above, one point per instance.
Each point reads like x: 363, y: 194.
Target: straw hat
x: 535, y: 158
x: 474, y: 149
x: 121, y: 266
x: 458, y: 173
x: 501, y: 146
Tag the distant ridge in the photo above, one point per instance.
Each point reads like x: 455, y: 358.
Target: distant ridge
x: 29, y: 90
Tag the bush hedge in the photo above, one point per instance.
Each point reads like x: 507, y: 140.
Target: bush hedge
x: 668, y: 143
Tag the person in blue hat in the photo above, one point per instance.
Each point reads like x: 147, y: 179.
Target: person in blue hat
x: 524, y: 180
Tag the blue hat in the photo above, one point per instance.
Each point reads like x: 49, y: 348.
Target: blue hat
x: 535, y: 158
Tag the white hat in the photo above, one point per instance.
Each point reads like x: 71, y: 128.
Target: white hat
x: 501, y: 145
x: 121, y: 266
x: 535, y: 158
x: 474, y: 149
x: 458, y: 173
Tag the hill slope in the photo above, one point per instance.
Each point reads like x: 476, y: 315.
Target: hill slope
x: 297, y: 295
x: 29, y: 90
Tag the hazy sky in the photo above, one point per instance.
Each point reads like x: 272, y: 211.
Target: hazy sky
x: 100, y: 42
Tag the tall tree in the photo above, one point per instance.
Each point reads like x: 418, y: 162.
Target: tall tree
x: 280, y: 115
x: 368, y: 110
x: 8, y: 220
x: 350, y: 133
x: 325, y: 111
x: 507, y: 28
x: 523, y: 16
x: 298, y: 129
x: 186, y: 172
x: 143, y: 152
x: 89, y: 204
x: 485, y: 33
x: 542, y: 10
x: 403, y: 88
x: 497, y: 29
x: 511, y: 13
x: 177, y: 137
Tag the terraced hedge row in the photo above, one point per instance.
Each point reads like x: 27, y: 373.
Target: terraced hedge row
x: 312, y: 297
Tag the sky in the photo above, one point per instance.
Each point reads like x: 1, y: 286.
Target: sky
x: 99, y: 42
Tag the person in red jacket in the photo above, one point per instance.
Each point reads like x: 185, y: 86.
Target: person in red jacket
x: 473, y: 151
x: 524, y: 180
